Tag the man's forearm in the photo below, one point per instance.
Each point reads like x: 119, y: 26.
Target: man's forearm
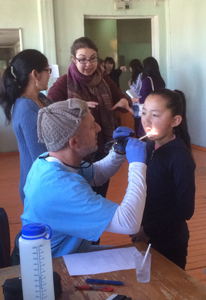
x: 128, y: 216
x: 106, y: 168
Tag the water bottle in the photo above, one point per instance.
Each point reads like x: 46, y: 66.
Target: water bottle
x: 36, y: 262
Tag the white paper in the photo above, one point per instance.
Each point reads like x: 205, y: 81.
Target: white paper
x: 55, y: 71
x: 100, y: 261
x: 132, y: 94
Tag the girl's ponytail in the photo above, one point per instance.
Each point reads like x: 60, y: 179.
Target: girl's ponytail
x: 182, y: 129
x: 16, y: 77
x: 9, y: 91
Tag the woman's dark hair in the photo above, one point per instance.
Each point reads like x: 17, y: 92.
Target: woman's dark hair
x: 137, y: 68
x: 176, y: 103
x: 16, y: 77
x: 83, y: 42
x: 151, y: 69
x: 110, y: 60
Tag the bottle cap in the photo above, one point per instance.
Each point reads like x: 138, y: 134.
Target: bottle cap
x: 34, y: 231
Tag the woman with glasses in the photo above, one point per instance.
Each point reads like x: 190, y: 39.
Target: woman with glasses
x: 27, y: 74
x: 85, y: 80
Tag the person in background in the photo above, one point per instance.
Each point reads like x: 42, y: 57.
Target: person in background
x: 135, y: 84
x: 86, y: 81
x: 60, y: 184
x: 136, y: 68
x: 151, y: 80
x: 114, y: 74
x: 101, y: 63
x: 27, y: 74
x: 170, y: 176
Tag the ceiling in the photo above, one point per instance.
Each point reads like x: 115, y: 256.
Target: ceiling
x: 9, y: 37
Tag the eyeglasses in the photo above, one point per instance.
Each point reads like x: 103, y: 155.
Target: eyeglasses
x: 49, y: 70
x: 84, y: 61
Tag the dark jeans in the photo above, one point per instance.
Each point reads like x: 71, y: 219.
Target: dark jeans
x: 101, y: 190
x: 137, y: 122
x: 177, y: 255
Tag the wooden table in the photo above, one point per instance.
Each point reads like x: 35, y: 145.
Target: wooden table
x: 167, y: 281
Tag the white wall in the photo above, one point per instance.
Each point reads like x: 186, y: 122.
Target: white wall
x: 186, y: 60
x: 25, y: 18
x: 181, y: 33
x: 69, y: 23
x: 182, y: 45
x: 35, y: 17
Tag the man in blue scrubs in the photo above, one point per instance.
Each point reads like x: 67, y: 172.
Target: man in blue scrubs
x: 58, y: 188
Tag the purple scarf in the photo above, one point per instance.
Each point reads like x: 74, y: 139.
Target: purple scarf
x: 93, y: 88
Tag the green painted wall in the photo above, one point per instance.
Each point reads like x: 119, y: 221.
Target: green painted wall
x: 104, y: 33
x: 134, y: 41
x: 123, y: 40
x: 52, y: 25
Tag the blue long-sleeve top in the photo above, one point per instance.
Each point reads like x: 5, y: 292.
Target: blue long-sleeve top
x: 24, y: 120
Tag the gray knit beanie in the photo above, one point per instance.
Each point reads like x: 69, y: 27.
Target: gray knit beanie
x: 58, y: 122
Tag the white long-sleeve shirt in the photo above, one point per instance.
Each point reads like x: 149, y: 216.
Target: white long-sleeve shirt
x: 128, y: 216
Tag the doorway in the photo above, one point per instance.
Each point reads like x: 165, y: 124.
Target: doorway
x: 123, y: 39
x: 10, y: 45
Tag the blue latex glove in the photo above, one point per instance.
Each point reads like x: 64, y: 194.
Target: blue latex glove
x: 136, y: 151
x: 121, y: 135
x: 122, y: 132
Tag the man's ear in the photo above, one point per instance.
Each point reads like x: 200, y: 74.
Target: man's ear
x: 176, y: 121
x: 73, y: 142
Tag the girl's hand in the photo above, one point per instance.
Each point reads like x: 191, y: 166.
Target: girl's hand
x: 123, y: 103
x: 135, y: 100
x: 92, y: 104
x: 129, y: 83
x: 140, y: 236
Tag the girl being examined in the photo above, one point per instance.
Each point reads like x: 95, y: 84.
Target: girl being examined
x: 170, y: 176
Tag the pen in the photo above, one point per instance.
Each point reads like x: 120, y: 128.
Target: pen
x: 100, y: 281
x: 96, y: 288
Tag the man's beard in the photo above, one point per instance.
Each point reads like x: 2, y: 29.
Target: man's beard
x: 87, y: 155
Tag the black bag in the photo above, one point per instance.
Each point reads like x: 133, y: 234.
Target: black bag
x: 12, y: 288
x: 4, y: 239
